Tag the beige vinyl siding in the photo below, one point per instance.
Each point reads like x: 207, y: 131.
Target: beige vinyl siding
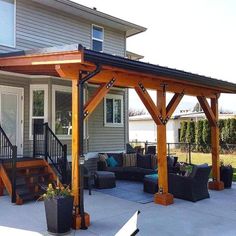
x: 103, y: 138
x: 38, y: 26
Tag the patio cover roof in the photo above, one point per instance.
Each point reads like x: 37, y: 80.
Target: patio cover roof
x: 127, y: 72
x: 80, y: 65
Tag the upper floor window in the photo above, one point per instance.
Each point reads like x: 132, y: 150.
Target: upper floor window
x: 113, y: 107
x: 97, y: 38
x: 7, y: 23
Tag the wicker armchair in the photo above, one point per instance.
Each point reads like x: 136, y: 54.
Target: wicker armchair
x: 193, y: 187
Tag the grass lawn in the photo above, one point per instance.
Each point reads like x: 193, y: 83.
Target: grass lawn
x: 200, y: 158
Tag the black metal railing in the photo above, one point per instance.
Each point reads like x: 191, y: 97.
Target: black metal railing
x: 8, y: 156
x: 46, y: 144
x: 151, y: 147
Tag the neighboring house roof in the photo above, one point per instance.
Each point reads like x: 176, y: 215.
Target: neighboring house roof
x: 190, y: 115
x: 93, y: 15
x: 133, y: 56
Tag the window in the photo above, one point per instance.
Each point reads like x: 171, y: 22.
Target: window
x: 38, y: 105
x: 7, y: 23
x: 97, y: 38
x: 62, y: 110
x: 113, y: 107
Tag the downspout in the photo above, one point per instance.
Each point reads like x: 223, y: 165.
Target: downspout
x: 81, y: 140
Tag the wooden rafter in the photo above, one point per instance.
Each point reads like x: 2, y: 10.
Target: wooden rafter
x: 174, y: 102
x: 149, y: 104
x: 208, y: 111
x: 97, y: 97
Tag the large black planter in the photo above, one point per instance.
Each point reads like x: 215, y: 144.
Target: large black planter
x: 59, y: 214
x: 226, y: 175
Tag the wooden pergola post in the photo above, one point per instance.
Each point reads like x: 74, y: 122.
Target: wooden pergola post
x: 216, y: 184
x: 162, y: 197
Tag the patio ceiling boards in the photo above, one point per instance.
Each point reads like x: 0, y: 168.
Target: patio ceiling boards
x: 77, y: 63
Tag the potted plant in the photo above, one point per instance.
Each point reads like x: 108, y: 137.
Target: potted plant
x: 226, y: 174
x: 58, y: 203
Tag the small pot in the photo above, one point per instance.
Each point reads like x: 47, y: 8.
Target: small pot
x: 59, y: 214
x: 226, y: 175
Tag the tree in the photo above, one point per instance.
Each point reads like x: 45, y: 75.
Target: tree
x: 183, y: 128
x: 190, y: 132
x: 198, y: 136
x: 206, y: 135
x: 134, y: 112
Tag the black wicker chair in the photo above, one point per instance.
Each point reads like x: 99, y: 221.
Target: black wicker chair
x: 193, y: 187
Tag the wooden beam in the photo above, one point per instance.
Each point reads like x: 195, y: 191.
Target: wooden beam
x: 155, y: 83
x: 43, y: 59
x: 97, y: 98
x: 216, y: 184
x: 174, y: 102
x: 208, y: 111
x: 149, y: 104
x: 162, y: 197
x: 70, y: 72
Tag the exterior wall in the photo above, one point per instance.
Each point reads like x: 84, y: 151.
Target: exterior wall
x: 146, y: 130
x: 38, y: 26
x: 101, y: 138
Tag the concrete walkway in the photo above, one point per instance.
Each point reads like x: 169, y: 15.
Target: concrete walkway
x: 214, y: 216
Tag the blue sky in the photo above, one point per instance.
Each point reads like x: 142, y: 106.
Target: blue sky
x: 198, y: 36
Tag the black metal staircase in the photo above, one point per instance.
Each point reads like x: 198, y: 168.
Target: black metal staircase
x: 47, y: 145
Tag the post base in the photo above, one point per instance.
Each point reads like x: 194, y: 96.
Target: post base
x: 164, y: 199
x: 216, y: 185
x: 76, y: 221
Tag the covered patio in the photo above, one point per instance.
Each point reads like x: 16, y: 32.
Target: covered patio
x: 82, y: 65
x: 211, y: 217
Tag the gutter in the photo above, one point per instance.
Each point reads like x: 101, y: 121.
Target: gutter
x: 82, y: 81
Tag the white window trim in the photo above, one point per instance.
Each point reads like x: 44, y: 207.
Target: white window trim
x: 100, y: 40
x: 36, y: 87
x: 59, y: 88
x: 14, y: 30
x: 114, y: 96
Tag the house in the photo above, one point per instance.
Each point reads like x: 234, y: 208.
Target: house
x: 28, y: 100
x: 142, y: 127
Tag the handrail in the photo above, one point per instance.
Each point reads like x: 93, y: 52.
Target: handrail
x: 8, y: 152
x: 47, y: 144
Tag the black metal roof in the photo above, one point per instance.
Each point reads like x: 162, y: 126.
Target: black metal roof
x: 138, y: 66
x: 143, y: 67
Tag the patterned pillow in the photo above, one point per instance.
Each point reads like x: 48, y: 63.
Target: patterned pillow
x: 102, y: 156
x: 130, y: 159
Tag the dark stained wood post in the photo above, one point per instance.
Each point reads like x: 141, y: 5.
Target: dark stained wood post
x: 162, y: 197
x: 216, y: 184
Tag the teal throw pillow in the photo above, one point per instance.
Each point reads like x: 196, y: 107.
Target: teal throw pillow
x: 111, y: 162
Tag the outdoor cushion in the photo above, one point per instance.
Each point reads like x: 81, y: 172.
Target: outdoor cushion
x: 195, y: 168
x: 144, y: 161
x: 111, y: 162
x: 130, y: 159
x: 118, y: 157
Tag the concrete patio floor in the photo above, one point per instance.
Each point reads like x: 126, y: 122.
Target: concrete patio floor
x: 214, y: 216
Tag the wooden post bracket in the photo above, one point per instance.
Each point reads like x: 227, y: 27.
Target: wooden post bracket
x: 174, y: 102
x: 208, y: 110
x: 149, y: 104
x: 97, y: 97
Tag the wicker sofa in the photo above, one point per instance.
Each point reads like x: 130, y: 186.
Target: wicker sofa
x: 145, y: 165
